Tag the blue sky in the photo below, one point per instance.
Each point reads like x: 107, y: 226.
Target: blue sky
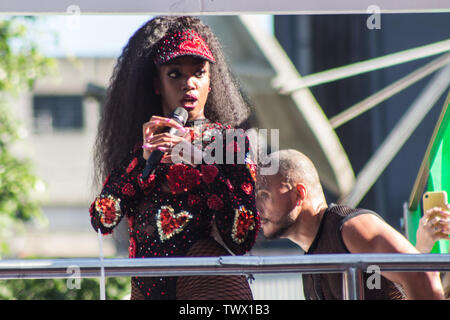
x: 99, y: 35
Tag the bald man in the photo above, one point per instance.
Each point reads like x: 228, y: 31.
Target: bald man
x: 292, y: 205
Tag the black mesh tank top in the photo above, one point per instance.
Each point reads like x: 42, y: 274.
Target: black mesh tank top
x: 329, y: 240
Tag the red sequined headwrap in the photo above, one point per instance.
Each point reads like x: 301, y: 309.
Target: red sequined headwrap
x: 186, y: 43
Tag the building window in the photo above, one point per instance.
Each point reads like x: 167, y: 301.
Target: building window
x: 57, y: 113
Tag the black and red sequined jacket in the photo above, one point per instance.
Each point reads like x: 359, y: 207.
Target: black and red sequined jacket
x: 176, y: 206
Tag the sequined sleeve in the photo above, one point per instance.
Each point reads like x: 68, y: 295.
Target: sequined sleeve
x: 120, y: 192
x: 232, y: 197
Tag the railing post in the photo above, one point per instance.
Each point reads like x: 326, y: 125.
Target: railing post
x: 353, y: 284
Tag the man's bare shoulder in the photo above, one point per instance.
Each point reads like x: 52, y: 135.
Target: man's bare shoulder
x: 368, y: 233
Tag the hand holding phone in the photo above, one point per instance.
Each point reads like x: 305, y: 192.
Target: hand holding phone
x: 435, y: 223
x: 433, y: 199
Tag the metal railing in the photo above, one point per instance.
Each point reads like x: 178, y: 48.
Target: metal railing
x: 350, y: 265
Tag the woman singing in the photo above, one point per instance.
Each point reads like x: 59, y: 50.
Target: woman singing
x: 188, y: 208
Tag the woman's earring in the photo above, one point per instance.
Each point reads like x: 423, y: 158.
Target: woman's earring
x: 157, y: 92
x: 209, y: 89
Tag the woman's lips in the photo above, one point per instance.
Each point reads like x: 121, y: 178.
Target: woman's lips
x: 189, y: 101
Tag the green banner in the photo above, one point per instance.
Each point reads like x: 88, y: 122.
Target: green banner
x: 434, y: 175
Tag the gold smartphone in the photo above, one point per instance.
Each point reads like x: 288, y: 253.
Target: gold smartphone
x: 433, y: 199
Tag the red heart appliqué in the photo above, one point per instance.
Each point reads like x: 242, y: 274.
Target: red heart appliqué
x: 169, y: 223
x: 244, y: 221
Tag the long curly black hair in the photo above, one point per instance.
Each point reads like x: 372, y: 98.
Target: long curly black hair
x: 131, y: 100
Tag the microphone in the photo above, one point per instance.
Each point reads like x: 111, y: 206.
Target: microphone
x: 180, y: 115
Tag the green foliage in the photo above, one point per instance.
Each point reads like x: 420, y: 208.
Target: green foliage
x: 20, y: 65
x: 17, y: 182
x: 57, y: 289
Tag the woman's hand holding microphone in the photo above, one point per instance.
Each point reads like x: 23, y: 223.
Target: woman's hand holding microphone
x: 154, y: 138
